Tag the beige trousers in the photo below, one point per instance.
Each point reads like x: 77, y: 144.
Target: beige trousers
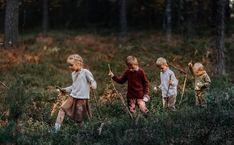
x: 169, y: 102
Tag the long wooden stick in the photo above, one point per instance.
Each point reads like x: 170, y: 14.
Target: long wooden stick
x: 185, y: 80
x: 120, y: 96
x: 97, y: 107
x: 183, y: 89
x: 167, y: 97
x: 177, y: 68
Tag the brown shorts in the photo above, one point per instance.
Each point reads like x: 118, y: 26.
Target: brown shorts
x: 77, y: 109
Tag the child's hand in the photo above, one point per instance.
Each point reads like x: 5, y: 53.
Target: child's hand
x: 93, y: 86
x: 155, y: 89
x: 159, y: 86
x: 110, y: 73
x: 146, y: 98
x: 190, y: 64
x: 61, y: 91
x: 170, y: 82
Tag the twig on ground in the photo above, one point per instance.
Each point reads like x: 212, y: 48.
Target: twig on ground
x: 100, y: 128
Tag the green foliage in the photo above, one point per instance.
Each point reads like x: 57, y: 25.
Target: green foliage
x: 32, y: 93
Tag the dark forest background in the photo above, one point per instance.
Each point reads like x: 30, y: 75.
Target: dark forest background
x: 187, y: 16
x: 36, y: 36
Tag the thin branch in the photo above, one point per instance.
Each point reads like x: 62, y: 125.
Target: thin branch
x: 120, y: 96
x: 177, y: 68
x: 4, y: 85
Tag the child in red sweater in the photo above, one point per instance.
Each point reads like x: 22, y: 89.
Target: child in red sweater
x: 138, y: 85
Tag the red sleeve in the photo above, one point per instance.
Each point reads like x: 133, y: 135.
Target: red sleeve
x: 121, y: 79
x: 145, y: 83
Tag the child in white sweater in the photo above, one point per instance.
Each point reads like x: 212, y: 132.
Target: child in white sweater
x: 76, y: 106
x: 168, y: 84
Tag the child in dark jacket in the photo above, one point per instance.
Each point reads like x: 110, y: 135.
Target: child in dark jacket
x: 138, y: 85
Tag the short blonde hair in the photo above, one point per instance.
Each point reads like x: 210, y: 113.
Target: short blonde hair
x: 131, y: 60
x: 75, y: 58
x: 161, y: 61
x: 198, y: 66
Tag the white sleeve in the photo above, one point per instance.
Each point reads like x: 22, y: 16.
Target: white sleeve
x: 90, y: 79
x: 68, y: 89
x: 174, y: 80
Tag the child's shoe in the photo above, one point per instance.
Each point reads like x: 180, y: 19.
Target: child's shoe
x: 57, y: 127
x: 203, y: 105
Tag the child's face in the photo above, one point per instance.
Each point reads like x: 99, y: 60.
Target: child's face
x: 198, y: 72
x: 132, y: 67
x: 74, y: 66
x: 162, y: 67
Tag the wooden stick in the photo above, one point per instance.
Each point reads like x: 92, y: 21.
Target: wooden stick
x: 97, y: 107
x: 4, y: 85
x: 179, y: 69
x: 100, y: 128
x: 120, y: 96
x: 183, y: 89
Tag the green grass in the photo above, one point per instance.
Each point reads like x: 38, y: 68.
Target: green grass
x: 32, y: 93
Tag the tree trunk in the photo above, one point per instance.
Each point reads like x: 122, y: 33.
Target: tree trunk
x: 179, y: 13
x: 228, y: 10
x: 220, y: 48
x: 123, y: 20
x: 168, y: 20
x: 11, y: 23
x: 199, y: 12
x: 45, y: 19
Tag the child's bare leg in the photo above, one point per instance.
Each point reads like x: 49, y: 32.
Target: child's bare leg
x: 61, y: 113
x: 142, y: 106
x: 59, y: 120
x: 60, y: 116
x: 132, y: 105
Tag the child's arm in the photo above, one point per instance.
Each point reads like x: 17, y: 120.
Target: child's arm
x: 68, y: 89
x: 190, y: 65
x: 121, y: 79
x: 173, y: 81
x: 207, y: 81
x: 90, y: 79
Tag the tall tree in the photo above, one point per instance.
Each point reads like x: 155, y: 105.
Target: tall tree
x: 123, y: 19
x: 45, y: 19
x: 220, y: 48
x: 11, y: 23
x: 168, y: 19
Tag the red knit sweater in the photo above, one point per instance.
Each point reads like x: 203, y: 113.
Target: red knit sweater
x: 138, y: 84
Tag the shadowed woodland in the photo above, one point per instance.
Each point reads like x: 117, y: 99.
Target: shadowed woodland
x: 36, y: 37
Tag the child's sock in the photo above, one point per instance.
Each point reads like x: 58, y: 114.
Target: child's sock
x: 57, y: 127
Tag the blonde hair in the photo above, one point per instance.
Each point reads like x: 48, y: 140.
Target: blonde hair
x: 161, y: 61
x: 75, y: 58
x: 198, y: 66
x: 131, y: 60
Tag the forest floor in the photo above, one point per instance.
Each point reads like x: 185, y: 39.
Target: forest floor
x: 31, y: 72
